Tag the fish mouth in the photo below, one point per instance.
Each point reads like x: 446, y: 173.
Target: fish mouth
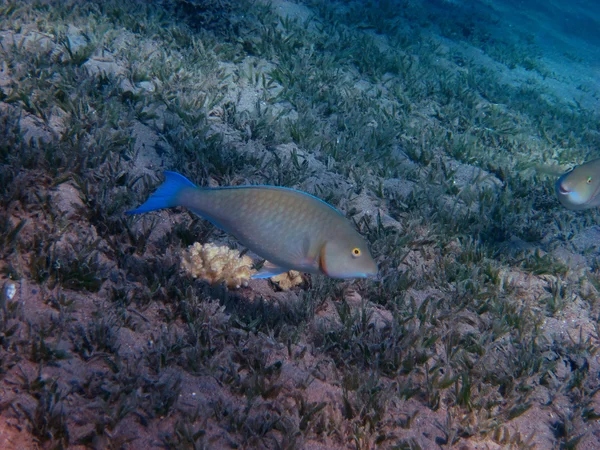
x: 562, y: 190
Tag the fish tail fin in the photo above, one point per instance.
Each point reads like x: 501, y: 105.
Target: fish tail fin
x: 167, y: 194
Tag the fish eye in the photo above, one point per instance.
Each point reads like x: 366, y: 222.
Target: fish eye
x: 589, y: 180
x: 356, y: 252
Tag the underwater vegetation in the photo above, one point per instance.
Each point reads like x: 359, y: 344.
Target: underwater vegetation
x: 481, y: 329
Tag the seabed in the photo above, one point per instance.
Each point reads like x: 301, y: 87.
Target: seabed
x: 438, y: 127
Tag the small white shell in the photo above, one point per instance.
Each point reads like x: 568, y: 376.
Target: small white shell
x: 10, y: 290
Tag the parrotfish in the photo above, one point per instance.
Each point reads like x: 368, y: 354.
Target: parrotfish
x: 580, y: 188
x: 290, y: 229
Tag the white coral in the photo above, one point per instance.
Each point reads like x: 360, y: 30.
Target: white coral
x: 288, y: 280
x: 217, y: 264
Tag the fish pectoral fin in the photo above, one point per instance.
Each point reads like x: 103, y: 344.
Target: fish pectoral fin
x: 304, y: 256
x: 268, y: 270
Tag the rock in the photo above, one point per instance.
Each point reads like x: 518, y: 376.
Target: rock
x: 66, y: 200
x: 466, y: 176
x: 396, y: 187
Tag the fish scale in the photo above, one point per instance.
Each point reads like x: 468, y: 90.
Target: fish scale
x: 289, y: 228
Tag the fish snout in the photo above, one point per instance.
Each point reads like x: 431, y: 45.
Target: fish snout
x: 371, y: 271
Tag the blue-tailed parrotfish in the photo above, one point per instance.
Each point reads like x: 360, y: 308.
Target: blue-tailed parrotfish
x: 291, y: 229
x: 580, y: 188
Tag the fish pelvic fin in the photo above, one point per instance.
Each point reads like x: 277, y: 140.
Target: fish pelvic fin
x: 167, y: 194
x: 269, y: 270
